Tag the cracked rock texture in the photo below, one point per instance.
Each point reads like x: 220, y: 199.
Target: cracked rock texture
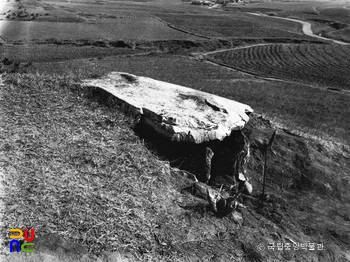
x: 177, y: 112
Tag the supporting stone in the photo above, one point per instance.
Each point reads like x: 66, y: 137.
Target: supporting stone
x: 207, y: 166
x: 203, y: 131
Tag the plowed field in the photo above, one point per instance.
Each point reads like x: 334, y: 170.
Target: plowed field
x: 324, y: 65
x: 234, y: 26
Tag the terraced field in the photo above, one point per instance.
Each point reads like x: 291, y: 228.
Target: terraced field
x: 32, y: 20
x: 343, y: 34
x: 147, y: 28
x: 323, y: 65
x: 329, y: 18
x: 234, y: 26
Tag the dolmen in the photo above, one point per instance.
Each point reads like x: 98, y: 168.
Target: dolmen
x: 177, y: 112
x: 212, y: 124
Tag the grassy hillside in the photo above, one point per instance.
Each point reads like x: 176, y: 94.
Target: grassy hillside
x: 74, y: 165
x: 84, y: 175
x: 291, y: 104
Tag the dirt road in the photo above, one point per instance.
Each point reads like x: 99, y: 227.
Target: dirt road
x: 307, y: 30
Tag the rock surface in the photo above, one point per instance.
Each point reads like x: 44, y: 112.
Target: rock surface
x: 177, y: 112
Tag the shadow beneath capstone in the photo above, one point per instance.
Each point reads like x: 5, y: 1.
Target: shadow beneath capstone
x: 225, y: 163
x: 192, y: 157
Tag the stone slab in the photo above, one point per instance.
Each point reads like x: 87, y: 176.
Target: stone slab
x: 177, y: 112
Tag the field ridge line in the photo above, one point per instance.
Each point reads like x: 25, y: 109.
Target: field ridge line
x: 329, y: 89
x: 179, y: 29
x: 307, y: 28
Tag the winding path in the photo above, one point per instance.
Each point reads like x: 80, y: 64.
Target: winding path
x: 306, y: 28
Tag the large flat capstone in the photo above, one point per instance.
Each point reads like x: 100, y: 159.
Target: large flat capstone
x: 177, y: 112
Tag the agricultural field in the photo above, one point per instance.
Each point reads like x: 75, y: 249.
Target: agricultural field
x: 106, y: 160
x: 343, y: 34
x: 46, y: 53
x: 92, y: 175
x: 293, y: 104
x: 243, y: 26
x: 86, y: 22
x: 328, y: 18
x: 135, y: 29
x: 322, y: 65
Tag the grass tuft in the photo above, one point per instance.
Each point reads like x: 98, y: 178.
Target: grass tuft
x: 75, y: 168
x: 79, y: 175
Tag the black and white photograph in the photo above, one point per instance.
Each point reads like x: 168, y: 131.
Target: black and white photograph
x: 175, y: 130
